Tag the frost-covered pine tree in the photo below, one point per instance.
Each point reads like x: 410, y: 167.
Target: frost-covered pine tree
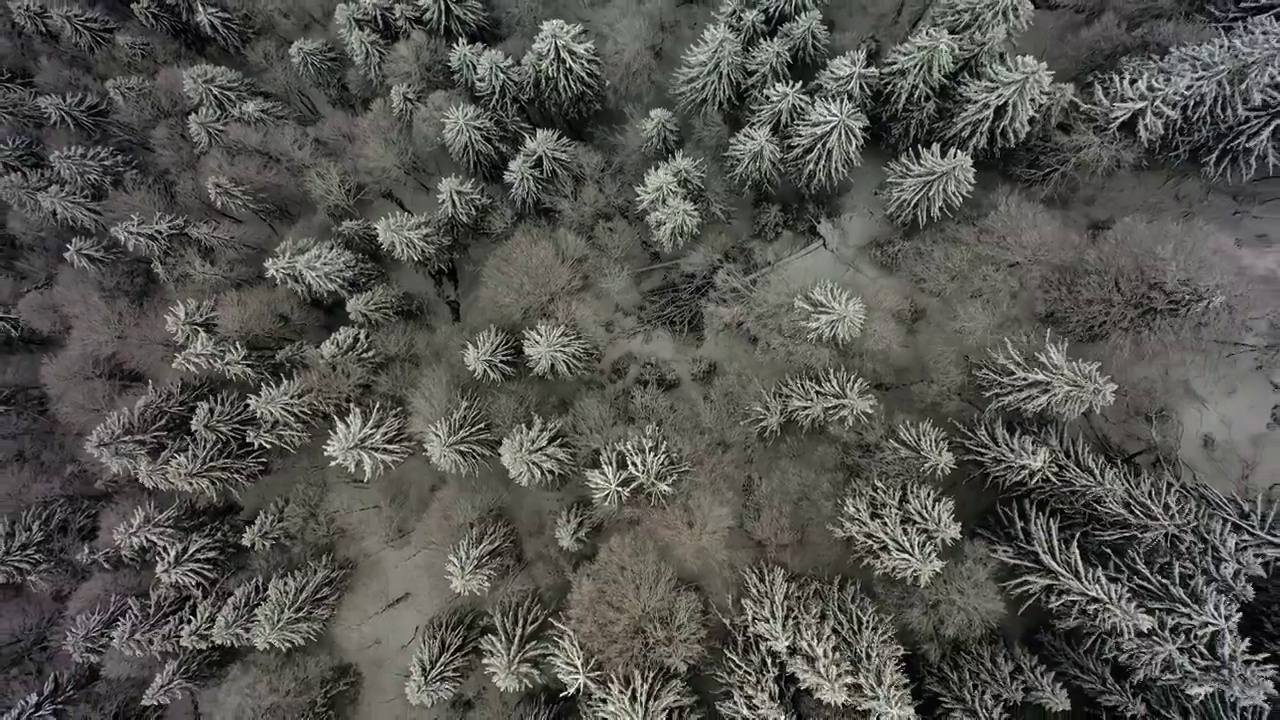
x: 322, y: 268
x: 53, y: 698
x: 350, y: 348
x: 899, y: 528
x: 462, y: 441
x: 982, y: 27
x: 780, y: 105
x: 464, y: 58
x: 833, y: 397
x: 79, y: 112
x: 767, y: 606
x: 491, y: 355
x: 573, y: 526
x: 412, y: 239
x: 924, y: 445
x: 286, y: 401
x: 545, y: 167
x: 556, y: 351
x: 515, y: 649
x: 208, y: 468
x: 379, y: 305
x: 32, y: 18
x: 916, y: 69
x: 190, y: 318
x: 925, y: 184
x: 234, y: 622
x: 92, y: 169
x: 70, y: 207
x: 829, y: 313
x: 1013, y: 461
x: 367, y: 51
x: 825, y: 143
x: 368, y: 442
x: 754, y: 158
x: 655, y: 467
x: 472, y: 137
x: 404, y: 99
x: 564, y: 72
x: 297, y: 605
x: 1049, y: 383
x: 270, y: 525
x: 674, y: 222
x: 452, y: 18
x: 995, y: 109
x: 21, y: 153
x: 806, y: 36
x: 192, y: 564
x: 88, y: 634
x: 176, y: 678
x: 460, y: 203
x: 207, y: 128
x: 446, y: 656
x: 316, y: 60
x: 850, y: 75
x: 216, y: 87
x: 768, y: 63
x: 660, y: 132
x: 499, y: 82
x: 536, y: 453
x: 233, y: 196
x: 611, y: 484
x: 711, y: 72
x: 484, y: 554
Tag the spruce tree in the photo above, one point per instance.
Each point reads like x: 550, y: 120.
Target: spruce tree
x: 472, y: 138
x: 220, y: 25
x: 216, y: 87
x: 1049, y: 383
x: 464, y: 59
x: 88, y: 635
x: 833, y: 397
x: 79, y: 112
x: 780, y: 105
x: 568, y: 662
x: 452, y: 18
x: 460, y: 203
x: 925, y: 184
x: 675, y: 222
x: 484, y: 554
x: 318, y: 268
x: 544, y: 168
x: 536, y: 453
x: 806, y: 36
x: 754, y: 158
x: 207, y: 128
x: 850, y: 75
x: 368, y: 442
x: 177, y: 677
x: 825, y: 143
x: 499, y: 82
x: 297, y: 605
x: 564, y: 71
x: 32, y: 17
x: 70, y: 207
x: 491, y: 355
x: 573, y: 526
x: 446, y: 656
x: 193, y: 563
x: 235, y: 619
x: 711, y: 72
x: 19, y: 153
x: 917, y: 69
x: 768, y: 64
x: 93, y: 254
x: 414, y: 239
x: 660, y: 132
x: 514, y: 650
x: 233, y: 196
x: 899, y: 528
x: 404, y: 99
x: 994, y: 110
x: 925, y: 446
x: 381, y: 304
x: 316, y: 60
x: 830, y: 313
x: 556, y: 351
x: 93, y: 169
x: 462, y: 440
x: 982, y: 26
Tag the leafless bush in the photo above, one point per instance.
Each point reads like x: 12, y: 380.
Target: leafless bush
x: 530, y: 273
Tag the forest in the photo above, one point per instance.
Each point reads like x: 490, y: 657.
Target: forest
x: 639, y: 359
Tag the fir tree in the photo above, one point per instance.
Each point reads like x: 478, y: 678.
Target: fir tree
x: 19, y: 153
x: 611, y: 484
x: 412, y: 239
x: 93, y: 169
x: 514, y: 650
x: 1051, y: 383
x: 32, y: 17
x: 850, y: 75
x: 982, y: 26
x: 368, y: 53
x: 984, y: 679
x: 472, y: 138
x: 754, y: 158
x: 780, y: 105
x: 148, y: 530
x: 209, y: 468
x: 768, y: 64
x: 297, y: 605
x: 379, y: 305
x: 900, y: 529
x: 545, y: 167
x: 368, y: 442
x: 80, y: 112
x: 286, y: 401
x: 491, y: 355
x: 260, y: 113
x: 88, y: 635
x: 452, y: 18
x: 220, y: 25
x: 485, y: 553
x: 316, y: 60
x: 462, y: 440
x: 711, y: 72
x: 994, y: 110
x: 924, y: 445
x: 318, y: 268
x: 536, y: 454
x: 745, y: 18
x: 460, y: 203
x: 660, y: 132
x: 806, y: 36
x: 830, y: 313
x: 464, y: 59
x: 151, y: 626
x: 446, y: 656
x: 189, y: 318
x: 925, y: 184
x: 57, y: 695
x: 825, y: 143
x: 216, y: 87
x: 192, y: 564
x: 674, y: 222
x: 499, y: 81
x: 556, y: 351
x: 573, y: 524
x: 564, y: 70
x: 232, y: 626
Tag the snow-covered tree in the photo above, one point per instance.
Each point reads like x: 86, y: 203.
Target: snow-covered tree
x: 314, y: 268
x: 655, y: 468
x: 472, y: 137
x: 830, y: 314
x: 573, y: 524
x: 640, y: 693
x: 367, y: 51
x: 350, y: 348
x: 674, y: 222
x: 461, y: 441
x: 464, y: 58
x: 825, y: 143
x: 832, y: 397
x: 988, y: 678
x: 216, y: 87
x: 21, y: 153
x: 368, y: 442
x: 152, y: 626
x: 90, y: 168
x: 1049, y: 383
x: 806, y: 36
x: 208, y: 468
x: 484, y: 554
x: 147, y: 530
x: 536, y: 453
x: 233, y: 196
x: 297, y: 605
x: 995, y: 109
x: 660, y: 132
x: 32, y: 18
x: 270, y: 525
x: 514, y: 650
x: 234, y: 622
x: 850, y: 75
x: 452, y: 18
x: 286, y: 401
x: 916, y: 69
x: 1013, y: 461
x: 568, y: 662
x: 491, y: 355
x: 316, y: 60
x: 412, y: 238
x: 193, y: 563
x: 88, y: 634
x: 768, y: 63
x: 220, y: 25
x: 379, y: 305
x: 207, y: 128
x: 79, y: 112
x: 187, y: 319
x: 460, y: 203
x: 556, y: 351
x: 499, y: 81
x: 778, y: 106
x: 57, y: 695
x: 29, y: 540
x: 545, y: 167
x: 750, y: 674
x: 899, y: 528
x: 446, y: 656
x: 611, y: 484
x: 259, y: 112
x: 404, y: 99
x: 754, y: 158
x: 70, y: 207
x: 711, y: 72
x: 925, y: 184
x: 767, y: 606
x: 176, y: 678
x: 982, y: 27
x: 925, y: 446
x: 564, y: 71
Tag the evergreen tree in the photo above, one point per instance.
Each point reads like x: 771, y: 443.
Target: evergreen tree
x: 216, y: 87
x: 984, y: 679
x: 404, y: 99
x: 674, y: 222
x: 611, y: 484
x: 223, y: 418
x: 412, y: 239
x: 573, y: 526
x: 452, y: 18
x: 259, y: 112
x: 270, y: 526
x: 564, y: 70
x: 981, y: 27
x: 151, y: 626
x: 640, y: 693
x: 768, y: 605
x: 192, y: 564
x: 446, y: 656
x: 833, y: 397
x: 899, y: 528
x: 92, y: 169
x: 472, y: 138
x: 176, y: 678
x: 57, y: 695
x: 235, y: 620
x: 924, y: 445
x: 1012, y: 461
x: 316, y: 60
x: 297, y: 605
x: 556, y: 351
x: 652, y: 464
x: 536, y: 454
x: 806, y: 36
x: 207, y: 128
x: 499, y: 81
x: 825, y: 143
x: 209, y: 468
x: 515, y: 648
x: 850, y: 75
x: 485, y: 553
x: 154, y: 238
x: 994, y: 110
x: 754, y: 158
x: 88, y: 635
x: 70, y: 207
x: 464, y: 60
x: 780, y: 105
x: 915, y: 70
x: 29, y: 542
x: 19, y: 153
x: 462, y: 440
x: 79, y: 112
x: 830, y: 313
x: 147, y: 530
x: 544, y: 168
x: 460, y: 203
x: 368, y: 53
x: 491, y: 355
x: 660, y: 132
x: 711, y: 72
x: 1051, y: 383
x: 32, y: 17
x: 368, y: 442
x: 232, y: 196
x: 379, y: 305
x: 318, y: 268
x: 768, y: 64
x: 220, y: 25
x: 925, y: 184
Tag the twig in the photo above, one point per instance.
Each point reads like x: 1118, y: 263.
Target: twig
x: 388, y: 606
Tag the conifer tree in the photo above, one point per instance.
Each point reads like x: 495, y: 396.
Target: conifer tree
x: 780, y: 105
x: 220, y: 25
x: 556, y: 351
x: 484, y: 554
x: 316, y: 60
x: 499, y: 81
x: 985, y: 679
x: 491, y: 355
x: 611, y: 484
x: 564, y: 70
x: 207, y: 128
x: 1050, y: 383
x: 19, y: 153
x: 573, y: 524
x: 1012, y: 461
x: 536, y: 453
x: 915, y: 70
x: 70, y: 207
x: 234, y: 623
x: 92, y: 254
x: 88, y: 635
x: 32, y: 17
x: 80, y: 112
x: 745, y: 18
x: 472, y: 138
x: 464, y: 59
x: 711, y: 72
x: 832, y: 397
x: 93, y: 169
x: 640, y: 693
x: 285, y: 401
x: 994, y: 110
x: 462, y: 440
x: 193, y: 563
x: 545, y: 167
x: 297, y: 605
x: 830, y: 313
x: 925, y: 445
x: 231, y: 196
x: 452, y: 18
x: 514, y: 650
x: 57, y: 695
x: 652, y: 464
x: 368, y: 442
x: 749, y: 676
x: 216, y: 87
x: 318, y: 268
x: 982, y: 26
x: 767, y: 64
x: 153, y: 625
x: 660, y: 132
x: 379, y: 305
x: 926, y: 184
x: 768, y: 605
x: 460, y: 203
x: 568, y: 662
x: 899, y: 528
x: 674, y: 222
x: 404, y: 99
x: 412, y: 238
x: 177, y: 677
x: 209, y: 468
x: 148, y: 529
x: 368, y: 53
x: 270, y: 525
x: 806, y: 36
x: 754, y: 158
x: 825, y: 143
x: 446, y: 656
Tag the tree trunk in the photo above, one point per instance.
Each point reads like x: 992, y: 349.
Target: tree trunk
x: 393, y: 198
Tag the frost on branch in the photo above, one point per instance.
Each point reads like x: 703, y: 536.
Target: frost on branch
x: 831, y: 314
x: 779, y: 106
x: 982, y: 26
x: 379, y: 305
x: 1049, y: 383
x: 193, y: 563
x: 988, y: 679
x: 711, y: 72
x: 190, y: 318
x: 446, y: 656
x: 835, y: 398
x: 767, y: 606
x: 642, y: 462
x: 491, y: 355
x: 297, y: 605
x: 368, y: 441
x: 92, y: 254
x: 178, y: 676
x: 997, y: 106
x: 462, y: 440
x: 825, y: 143
x: 318, y: 269
x: 806, y: 36
x: 660, y: 132
x: 54, y: 698
x: 472, y: 137
x: 768, y: 63
x: 926, y: 184
x: 451, y: 18
x: 545, y: 167
x: 485, y: 553
x: 350, y: 348
x: 460, y: 203
x: 414, y: 239
x: 269, y: 526
x: 500, y: 81
x: 899, y: 528
x: 556, y: 351
x: 568, y: 662
x: 223, y: 418
x: 924, y: 445
x: 88, y: 634
x: 573, y: 526
x: 536, y: 453
x: 1011, y: 460
x: 232, y: 626
x: 754, y: 158
x: 516, y: 648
